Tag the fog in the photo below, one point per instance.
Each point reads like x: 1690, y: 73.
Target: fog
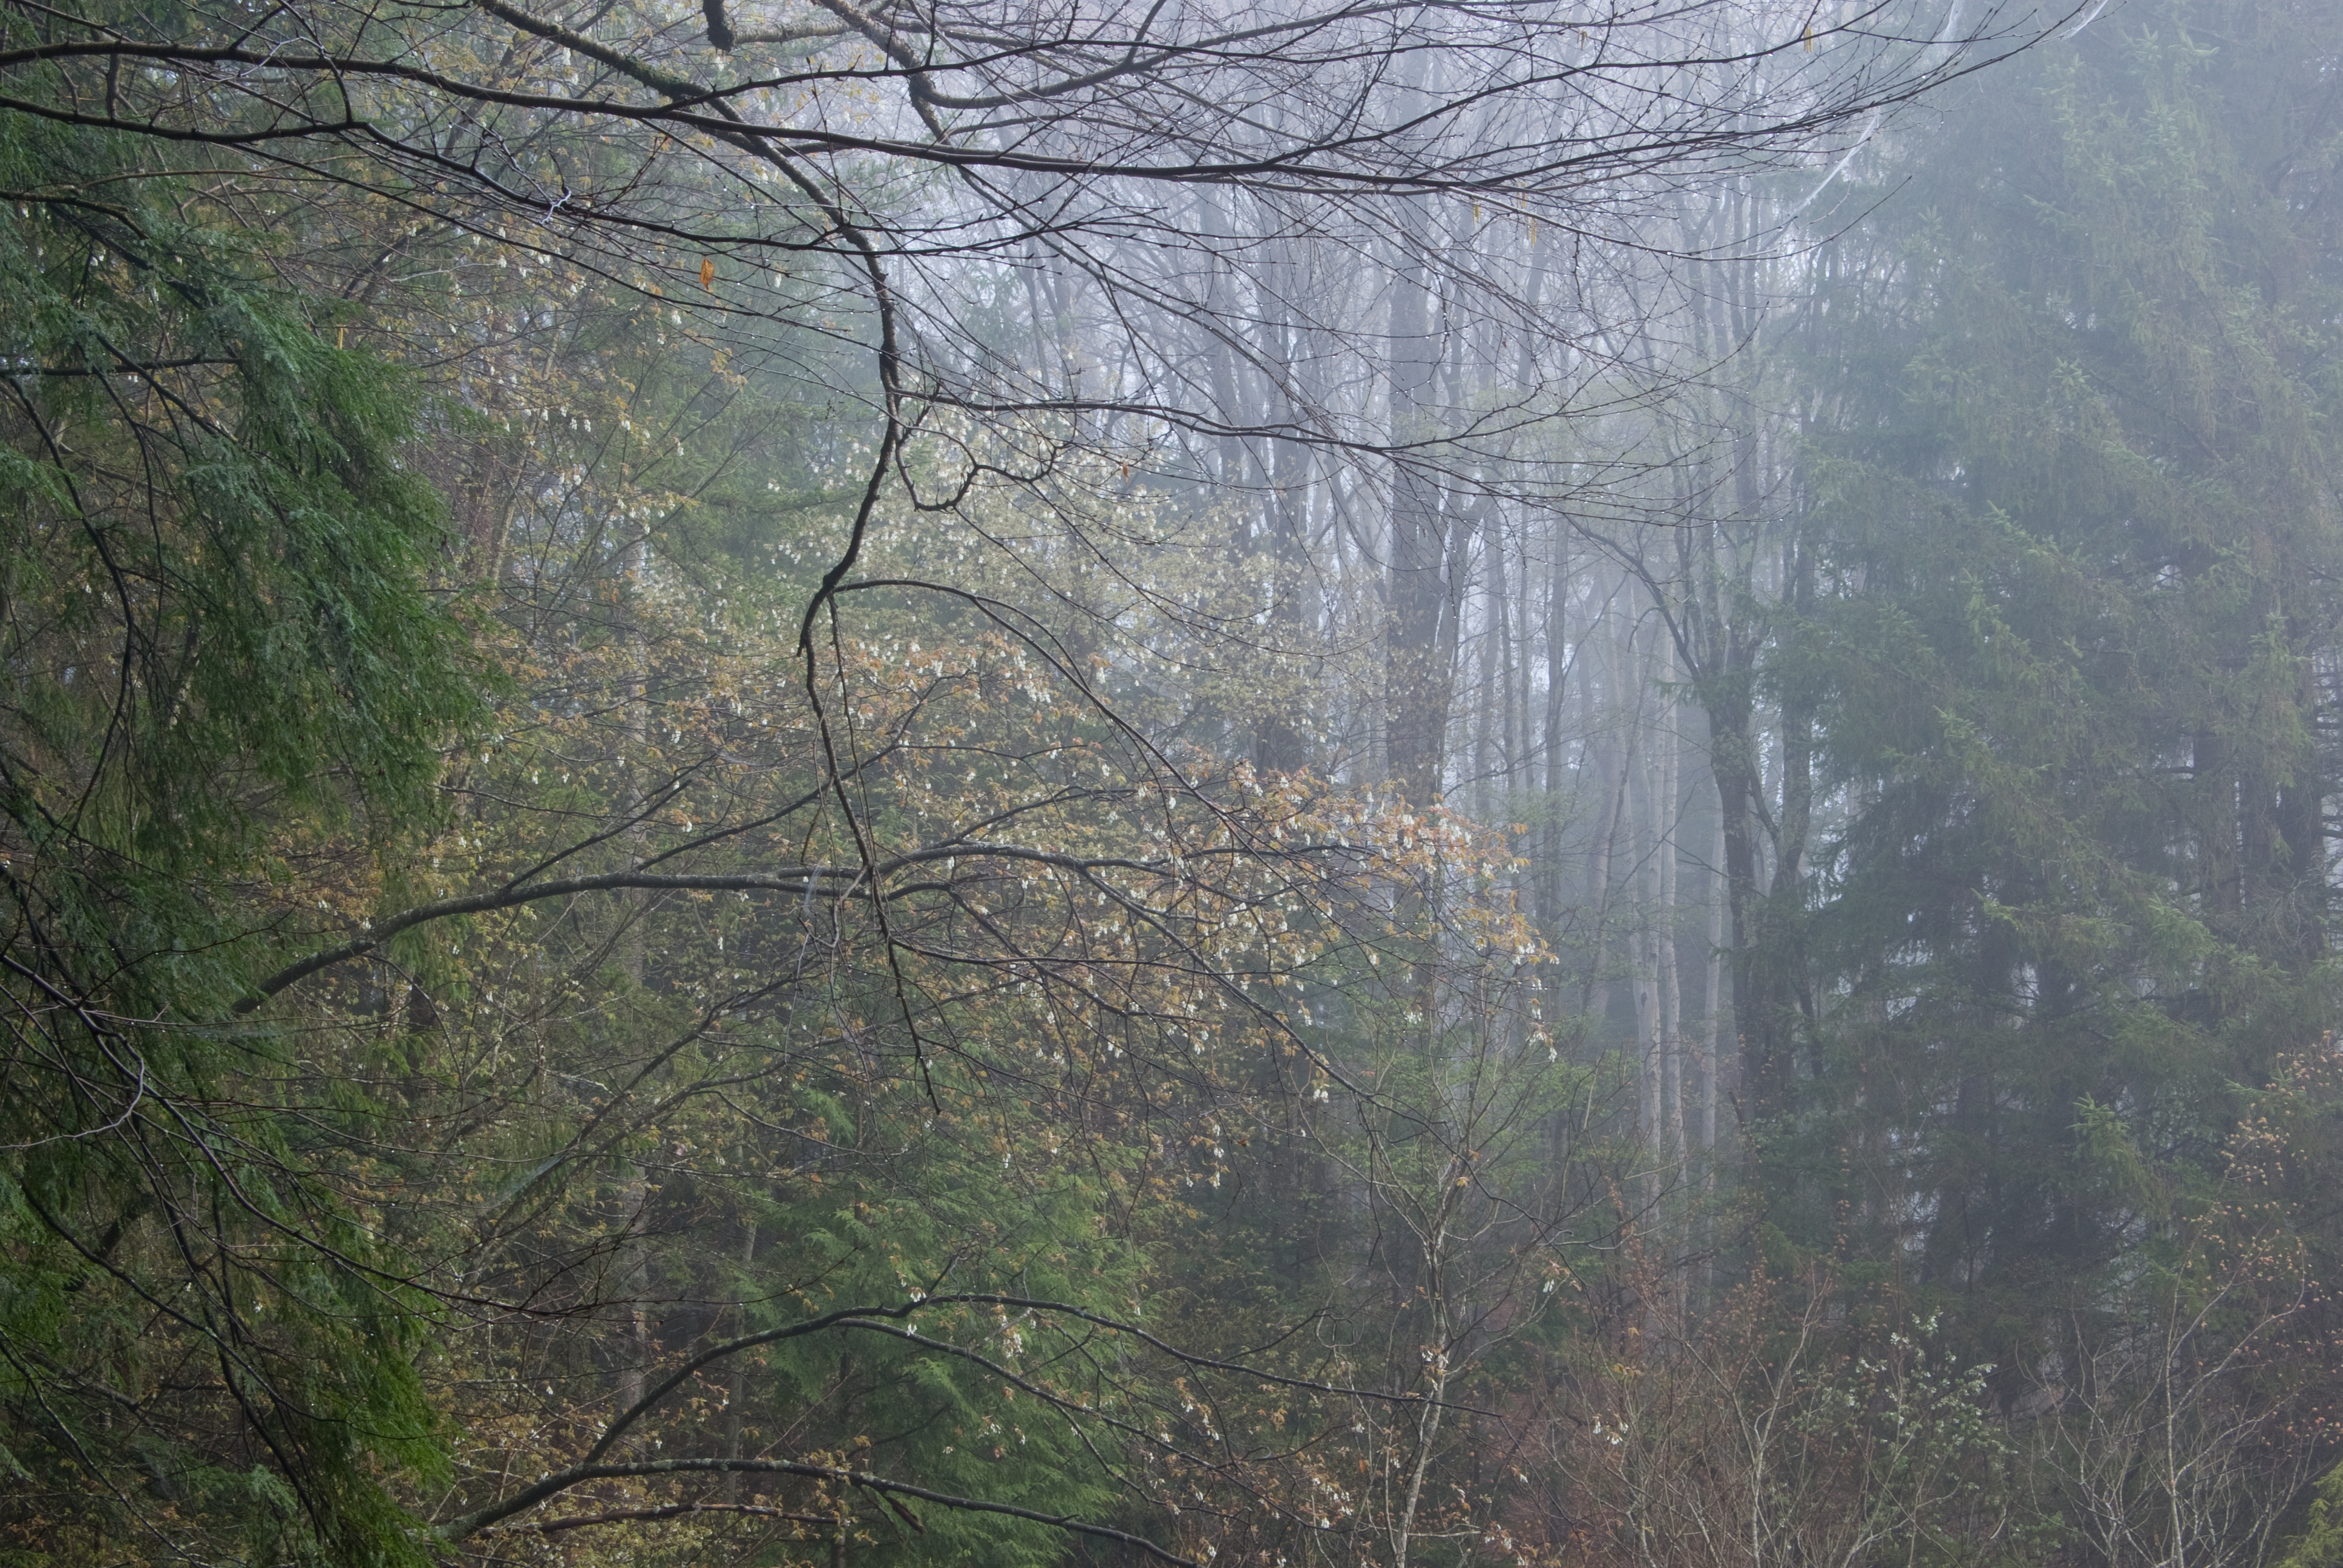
x: 1370, y: 785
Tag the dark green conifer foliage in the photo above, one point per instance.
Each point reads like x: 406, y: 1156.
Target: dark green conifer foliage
x: 2081, y: 609
x: 219, y: 634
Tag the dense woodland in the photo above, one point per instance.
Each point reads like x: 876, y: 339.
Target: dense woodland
x: 1019, y: 782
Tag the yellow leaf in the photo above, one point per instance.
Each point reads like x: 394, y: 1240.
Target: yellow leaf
x: 708, y: 267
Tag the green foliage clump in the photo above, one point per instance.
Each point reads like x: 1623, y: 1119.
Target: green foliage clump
x: 223, y: 636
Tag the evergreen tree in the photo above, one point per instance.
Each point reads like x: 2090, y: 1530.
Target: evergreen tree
x: 223, y: 640
x: 2079, y: 609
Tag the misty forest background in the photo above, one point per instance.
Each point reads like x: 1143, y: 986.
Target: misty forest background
x: 1474, y: 783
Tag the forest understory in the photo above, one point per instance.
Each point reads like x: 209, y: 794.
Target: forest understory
x: 1483, y: 784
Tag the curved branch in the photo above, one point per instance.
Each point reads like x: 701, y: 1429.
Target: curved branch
x: 801, y: 880
x: 553, y: 1485
x: 797, y: 879
x: 846, y: 1317
x: 663, y: 1510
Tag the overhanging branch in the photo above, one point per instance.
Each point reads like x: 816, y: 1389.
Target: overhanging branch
x: 553, y: 1485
